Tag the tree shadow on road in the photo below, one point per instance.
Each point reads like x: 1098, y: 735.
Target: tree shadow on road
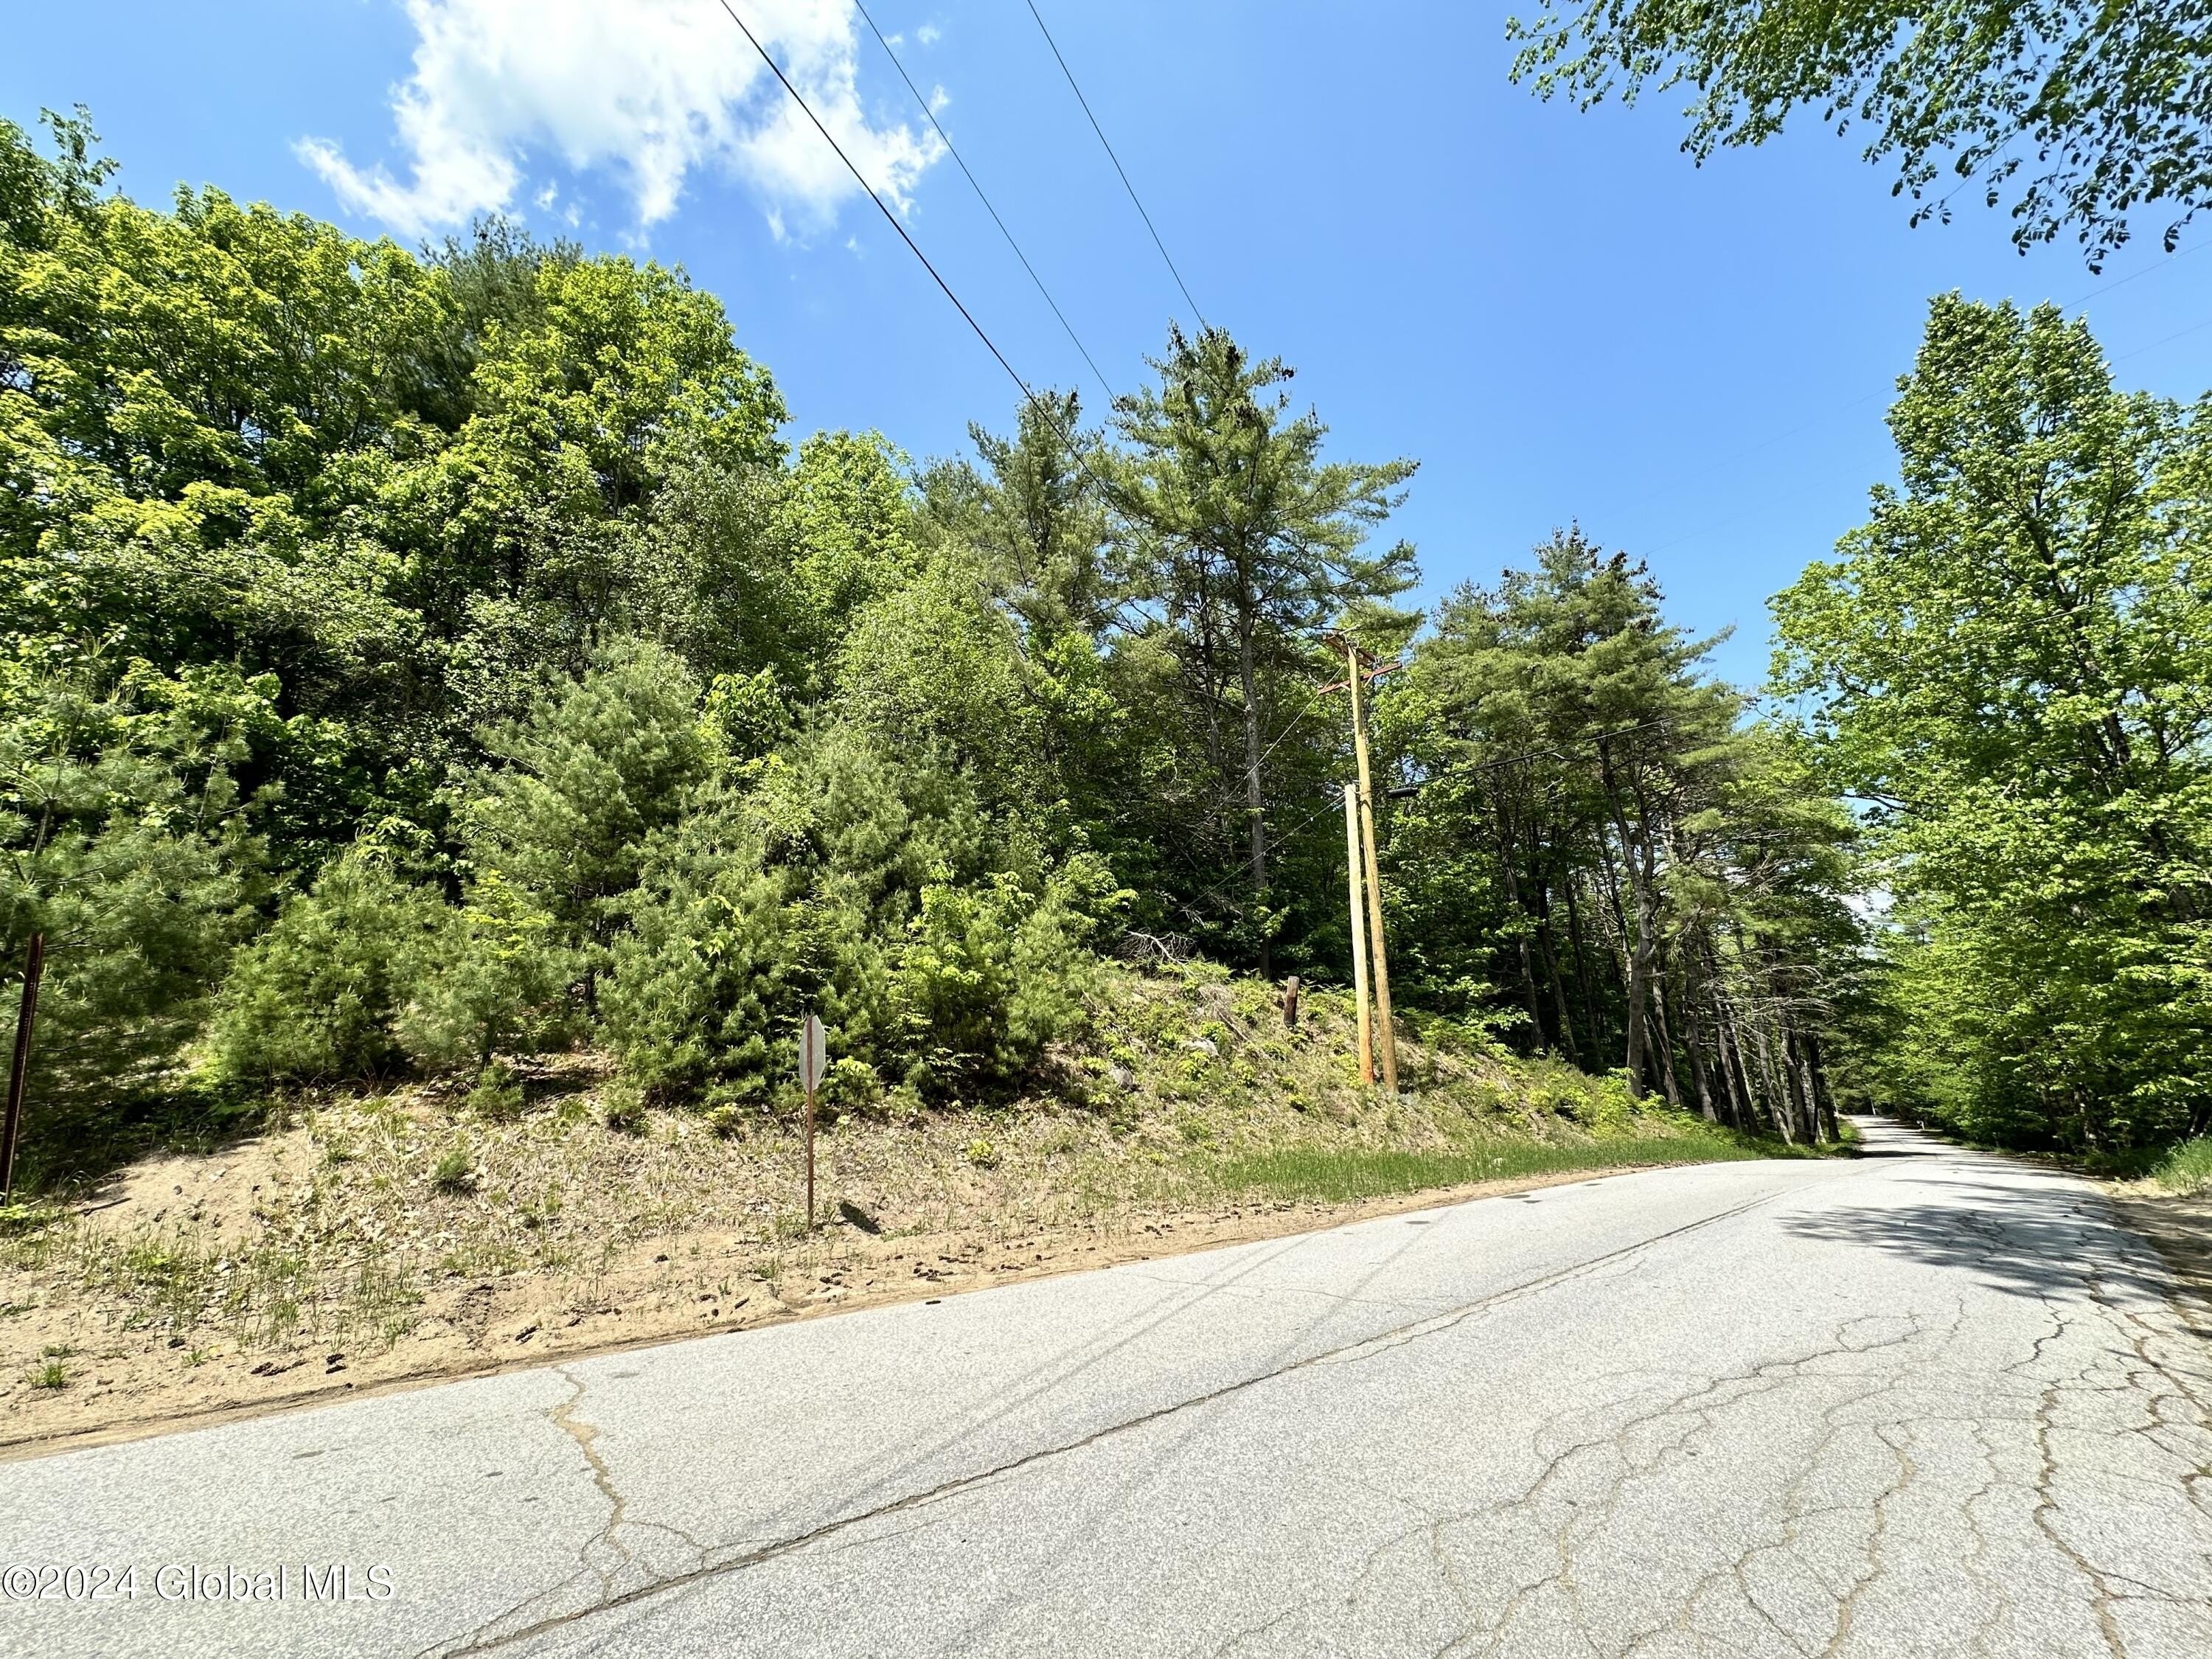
x: 2023, y: 1240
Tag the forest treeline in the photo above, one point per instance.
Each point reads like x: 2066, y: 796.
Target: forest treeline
x: 415, y: 660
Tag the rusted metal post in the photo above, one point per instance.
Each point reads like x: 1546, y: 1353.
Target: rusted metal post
x: 812, y: 1055
x: 34, y: 969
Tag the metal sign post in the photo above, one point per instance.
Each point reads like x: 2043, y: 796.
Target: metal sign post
x: 26, y: 1014
x: 811, y: 1052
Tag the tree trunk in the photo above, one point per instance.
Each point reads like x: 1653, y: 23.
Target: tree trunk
x: 1754, y: 1105
x: 1255, y: 803
x: 1666, y: 1040
x: 1507, y: 849
x: 1637, y: 852
x: 1581, y: 961
x: 1816, y: 1079
x: 1640, y: 972
x: 1698, y: 1073
x: 1551, y: 958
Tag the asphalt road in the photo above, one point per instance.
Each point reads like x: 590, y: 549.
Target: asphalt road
x: 1923, y: 1402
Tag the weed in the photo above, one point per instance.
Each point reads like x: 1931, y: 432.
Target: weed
x: 18, y: 1220
x: 456, y: 1171
x: 497, y: 1096
x: 51, y: 1375
x: 2187, y: 1168
x: 982, y: 1152
x: 624, y: 1110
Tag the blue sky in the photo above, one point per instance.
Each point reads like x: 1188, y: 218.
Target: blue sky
x: 1557, y: 314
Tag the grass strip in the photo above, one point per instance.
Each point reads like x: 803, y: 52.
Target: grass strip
x: 1334, y: 1175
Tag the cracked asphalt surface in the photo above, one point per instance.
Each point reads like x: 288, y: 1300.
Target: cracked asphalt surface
x: 1925, y: 1401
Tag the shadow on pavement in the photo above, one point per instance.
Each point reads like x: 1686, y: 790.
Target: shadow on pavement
x: 2028, y: 1240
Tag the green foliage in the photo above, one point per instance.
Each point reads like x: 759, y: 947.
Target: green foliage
x: 495, y: 979
x: 497, y: 1093
x: 1243, y: 543
x: 598, y: 766
x: 365, y: 973
x: 319, y: 994
x: 623, y: 1110
x: 1599, y: 841
x: 2110, y: 100
x: 858, y: 888
x: 125, y: 844
x: 2009, y: 664
x: 862, y: 887
x: 414, y: 661
x: 455, y: 1172
x: 2187, y: 1168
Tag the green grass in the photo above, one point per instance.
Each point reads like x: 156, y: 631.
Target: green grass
x: 1332, y: 1174
x: 2186, y: 1168
x: 456, y: 1172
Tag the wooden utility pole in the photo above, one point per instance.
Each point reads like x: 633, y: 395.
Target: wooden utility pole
x: 1374, y: 874
x: 34, y: 969
x: 1358, y: 933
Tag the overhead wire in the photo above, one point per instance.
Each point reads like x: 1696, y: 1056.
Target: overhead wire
x: 1043, y: 406
x: 889, y: 218
x: 1075, y: 449
x: 952, y: 150
x: 1157, y: 242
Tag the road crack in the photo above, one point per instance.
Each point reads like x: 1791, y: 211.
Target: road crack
x: 489, y: 1637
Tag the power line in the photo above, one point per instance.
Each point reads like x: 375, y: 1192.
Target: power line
x: 1043, y: 407
x: 889, y: 218
x: 2155, y: 344
x: 1116, y: 161
x: 952, y: 150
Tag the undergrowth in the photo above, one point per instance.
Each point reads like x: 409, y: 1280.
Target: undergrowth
x: 2187, y: 1168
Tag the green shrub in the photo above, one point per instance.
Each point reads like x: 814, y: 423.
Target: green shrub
x: 317, y: 994
x: 863, y: 886
x: 455, y: 1171
x: 623, y: 1109
x: 598, y: 765
x: 364, y: 973
x: 497, y: 1094
x: 495, y: 978
x: 128, y: 845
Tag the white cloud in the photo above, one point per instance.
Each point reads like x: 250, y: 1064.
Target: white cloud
x: 929, y: 34
x: 651, y: 88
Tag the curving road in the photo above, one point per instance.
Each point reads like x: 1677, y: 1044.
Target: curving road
x: 1923, y: 1402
